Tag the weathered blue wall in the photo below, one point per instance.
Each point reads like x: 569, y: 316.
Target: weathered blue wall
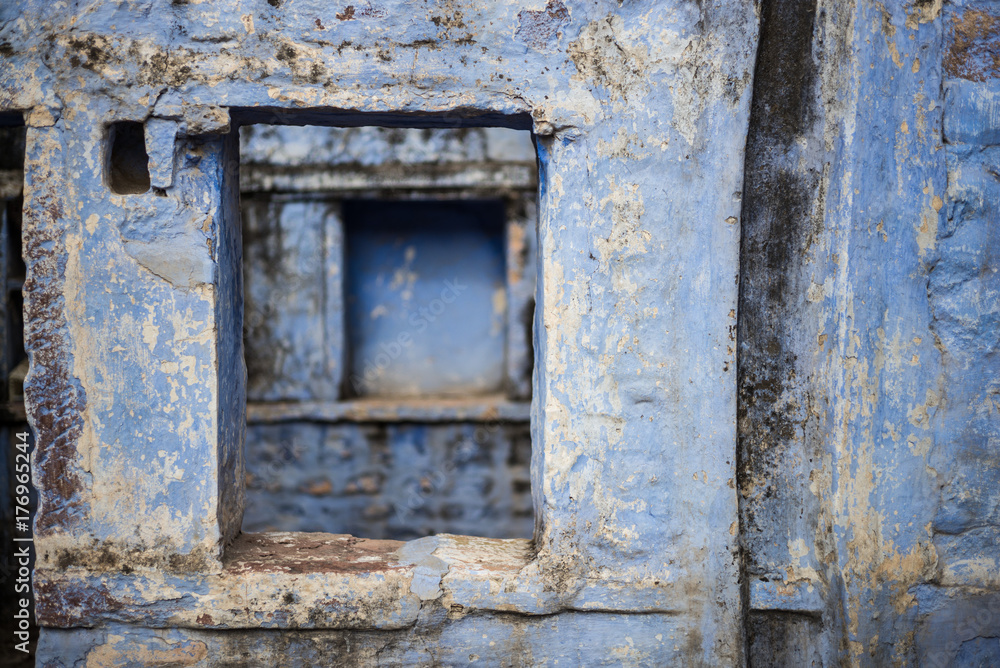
x: 137, y: 376
x: 869, y: 413
x: 860, y: 227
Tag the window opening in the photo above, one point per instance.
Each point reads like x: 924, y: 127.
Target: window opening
x: 389, y: 291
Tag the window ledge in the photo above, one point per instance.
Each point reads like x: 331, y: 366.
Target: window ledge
x: 476, y: 409
x: 327, y: 581
x: 394, y: 177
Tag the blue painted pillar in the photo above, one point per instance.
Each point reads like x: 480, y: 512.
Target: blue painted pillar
x: 635, y: 407
x: 133, y: 306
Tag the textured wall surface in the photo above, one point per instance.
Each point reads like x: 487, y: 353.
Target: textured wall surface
x: 135, y: 387
x: 765, y: 410
x: 869, y: 424
x: 399, y: 481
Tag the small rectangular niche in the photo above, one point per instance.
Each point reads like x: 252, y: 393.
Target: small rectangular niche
x: 425, y: 297
x: 128, y: 161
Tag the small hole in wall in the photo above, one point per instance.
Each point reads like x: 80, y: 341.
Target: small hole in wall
x: 128, y: 162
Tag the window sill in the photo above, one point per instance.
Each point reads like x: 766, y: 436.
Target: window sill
x: 475, y: 409
x: 327, y: 581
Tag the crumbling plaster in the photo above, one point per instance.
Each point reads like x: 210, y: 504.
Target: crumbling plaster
x: 868, y: 478
x: 868, y: 403
x: 634, y: 402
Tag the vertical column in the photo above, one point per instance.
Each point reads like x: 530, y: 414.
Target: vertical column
x: 232, y: 396
x: 634, y: 429
x: 521, y: 269
x: 294, y: 299
x: 134, y: 309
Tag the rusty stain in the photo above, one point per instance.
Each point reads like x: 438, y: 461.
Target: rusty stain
x: 974, y: 46
x: 310, y: 553
x: 58, y: 400
x: 350, y: 13
x: 112, y: 557
x: 62, y: 606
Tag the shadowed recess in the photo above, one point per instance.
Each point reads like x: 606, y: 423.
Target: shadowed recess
x: 128, y: 162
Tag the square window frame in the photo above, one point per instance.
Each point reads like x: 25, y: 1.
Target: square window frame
x: 514, y: 562
x: 521, y: 265
x: 516, y: 188
x: 360, y: 584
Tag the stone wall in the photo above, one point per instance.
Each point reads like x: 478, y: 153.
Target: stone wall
x: 764, y: 418
x: 869, y: 419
